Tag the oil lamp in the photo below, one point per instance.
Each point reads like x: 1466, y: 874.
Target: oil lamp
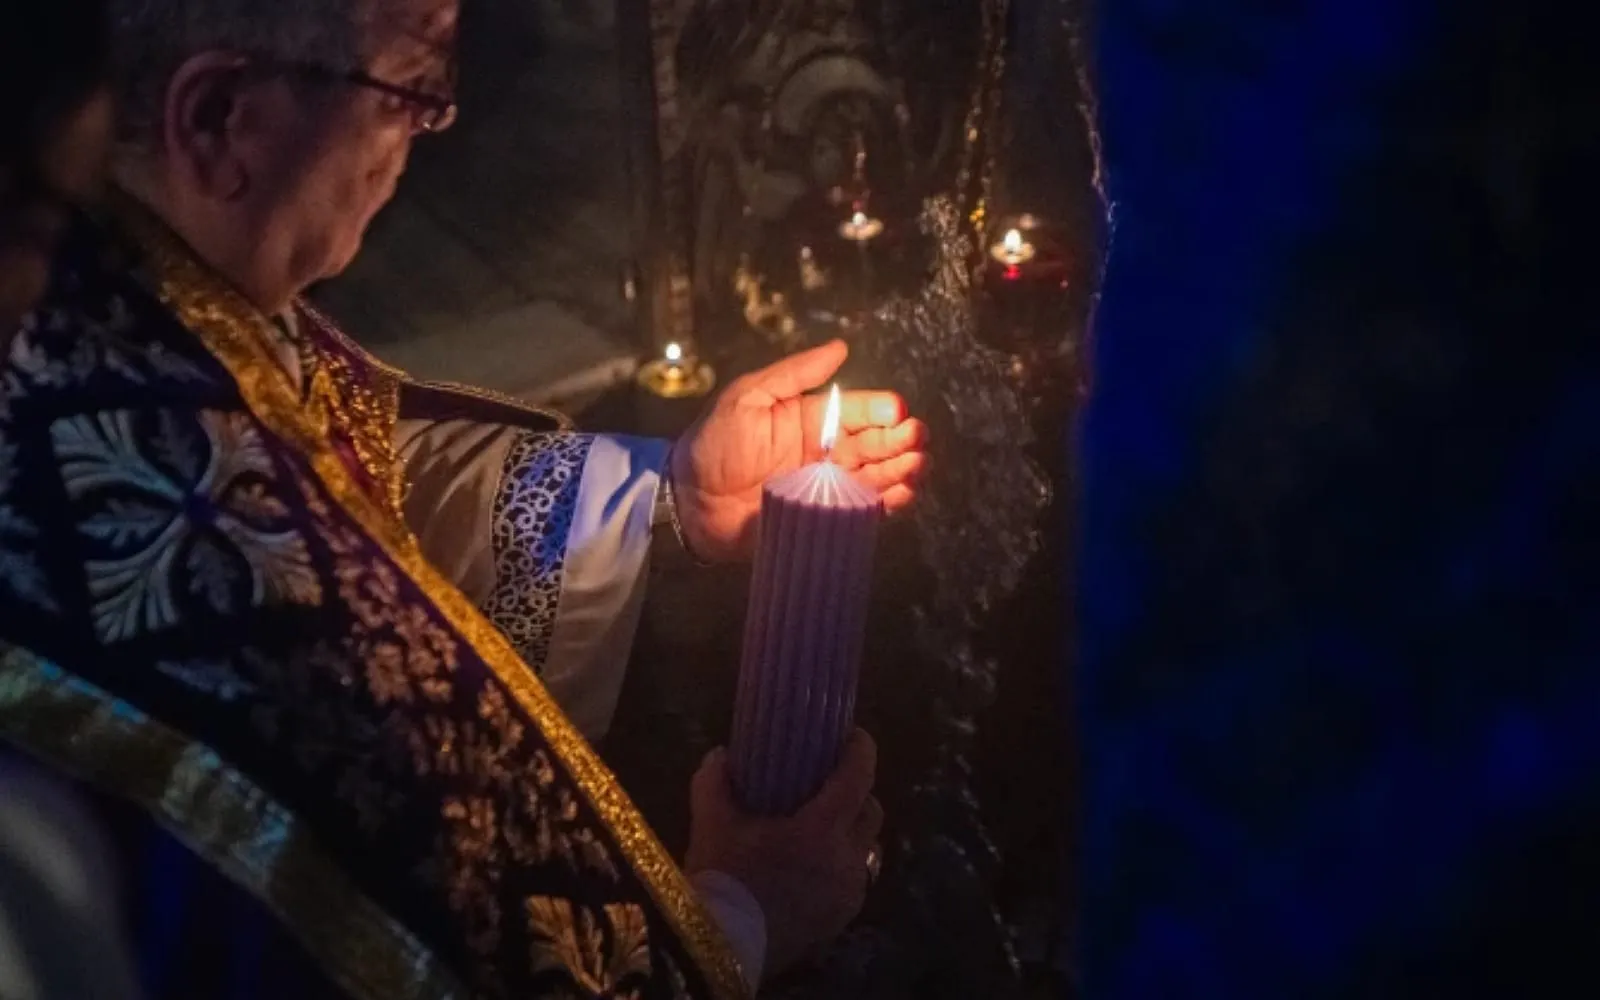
x: 861, y: 227
x: 676, y: 374
x: 1026, y: 294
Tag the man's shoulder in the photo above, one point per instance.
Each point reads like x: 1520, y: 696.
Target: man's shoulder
x: 102, y: 333
x: 99, y: 378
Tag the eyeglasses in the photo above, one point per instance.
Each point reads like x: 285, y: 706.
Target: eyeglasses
x: 429, y: 112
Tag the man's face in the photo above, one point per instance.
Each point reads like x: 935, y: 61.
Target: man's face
x: 67, y: 170
x: 335, y: 150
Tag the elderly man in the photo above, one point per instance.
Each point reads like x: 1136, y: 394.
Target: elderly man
x: 214, y: 611
x: 266, y: 137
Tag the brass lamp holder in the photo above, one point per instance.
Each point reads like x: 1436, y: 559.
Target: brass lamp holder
x: 677, y: 373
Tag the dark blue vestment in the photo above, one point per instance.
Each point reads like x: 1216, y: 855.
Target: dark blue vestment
x: 1340, y: 690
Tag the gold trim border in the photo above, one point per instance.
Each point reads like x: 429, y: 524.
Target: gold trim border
x: 562, y: 421
x: 401, y: 379
x: 237, y: 333
x: 224, y: 819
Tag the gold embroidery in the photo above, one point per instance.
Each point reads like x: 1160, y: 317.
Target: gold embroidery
x: 408, y: 661
x: 231, y: 330
x: 562, y: 421
x: 289, y: 707
x: 188, y: 789
x: 577, y: 942
x: 363, y: 406
x: 407, y: 656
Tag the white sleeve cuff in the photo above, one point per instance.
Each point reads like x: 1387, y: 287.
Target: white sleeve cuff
x: 603, y: 580
x: 739, y: 916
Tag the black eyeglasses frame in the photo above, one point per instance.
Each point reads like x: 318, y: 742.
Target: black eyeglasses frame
x: 433, y: 112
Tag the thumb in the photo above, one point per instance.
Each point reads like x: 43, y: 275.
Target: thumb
x: 711, y: 787
x: 848, y: 788
x: 800, y: 373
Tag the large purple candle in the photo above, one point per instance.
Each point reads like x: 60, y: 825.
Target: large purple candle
x: 803, y: 632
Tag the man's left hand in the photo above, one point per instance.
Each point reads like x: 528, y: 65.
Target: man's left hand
x: 765, y: 424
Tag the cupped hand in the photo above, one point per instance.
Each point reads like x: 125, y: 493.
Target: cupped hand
x: 765, y: 424
x: 809, y: 871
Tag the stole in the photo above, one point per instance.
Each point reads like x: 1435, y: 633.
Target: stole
x: 208, y: 609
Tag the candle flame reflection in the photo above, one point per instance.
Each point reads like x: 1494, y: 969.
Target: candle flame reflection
x: 830, y: 421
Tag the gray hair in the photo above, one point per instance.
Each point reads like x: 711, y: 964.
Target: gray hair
x: 152, y: 38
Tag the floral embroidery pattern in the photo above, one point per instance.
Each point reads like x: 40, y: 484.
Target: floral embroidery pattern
x: 180, y: 512
x: 57, y: 348
x: 20, y: 573
x: 294, y: 702
x: 510, y: 806
x: 313, y: 650
x: 61, y: 348
x: 532, y: 521
x: 598, y: 954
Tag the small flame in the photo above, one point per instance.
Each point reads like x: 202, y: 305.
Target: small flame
x: 830, y: 421
x: 860, y: 227
x: 1012, y: 241
x: 674, y: 352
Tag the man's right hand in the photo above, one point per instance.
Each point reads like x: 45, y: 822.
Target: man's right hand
x: 808, y: 871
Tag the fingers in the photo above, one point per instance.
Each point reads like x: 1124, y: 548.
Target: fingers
x: 898, y: 498
x: 800, y: 373
x: 879, y: 443
x: 848, y: 788
x: 861, y: 411
x: 902, y: 470
x: 710, y: 792
x: 858, y: 410
x: 874, y: 408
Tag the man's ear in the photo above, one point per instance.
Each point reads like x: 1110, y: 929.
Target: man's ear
x: 204, y: 104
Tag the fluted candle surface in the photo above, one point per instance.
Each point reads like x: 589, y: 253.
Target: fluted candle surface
x: 804, y: 629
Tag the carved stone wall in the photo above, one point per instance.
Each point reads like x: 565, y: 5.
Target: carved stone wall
x: 759, y: 128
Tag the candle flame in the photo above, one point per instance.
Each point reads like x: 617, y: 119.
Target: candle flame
x: 1012, y: 241
x: 830, y: 421
x: 674, y: 351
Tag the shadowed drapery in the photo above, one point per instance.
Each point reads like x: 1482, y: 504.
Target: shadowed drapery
x: 1339, y: 555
